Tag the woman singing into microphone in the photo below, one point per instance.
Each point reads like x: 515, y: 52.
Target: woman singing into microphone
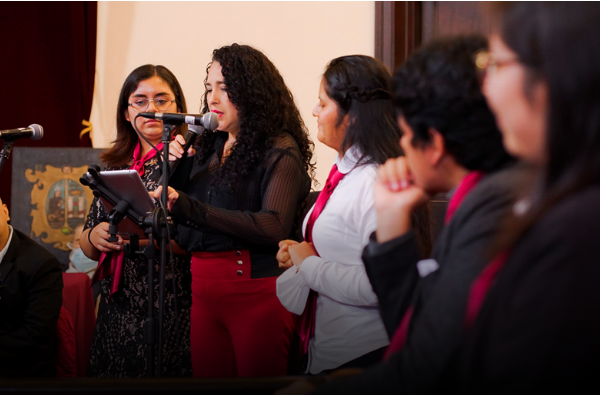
x: 237, y: 199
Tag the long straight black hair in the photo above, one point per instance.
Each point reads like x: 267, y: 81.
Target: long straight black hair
x: 558, y: 44
x: 124, y: 145
x: 360, y: 87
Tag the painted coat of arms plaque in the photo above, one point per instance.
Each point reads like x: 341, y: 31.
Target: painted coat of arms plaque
x: 47, y: 200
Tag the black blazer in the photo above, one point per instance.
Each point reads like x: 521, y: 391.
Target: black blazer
x: 30, y: 301
x: 439, y: 299
x: 538, y: 331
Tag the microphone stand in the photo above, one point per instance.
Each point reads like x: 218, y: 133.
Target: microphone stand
x: 5, y: 153
x: 154, y: 223
x: 166, y: 139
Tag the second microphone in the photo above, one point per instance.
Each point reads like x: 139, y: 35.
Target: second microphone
x: 209, y: 120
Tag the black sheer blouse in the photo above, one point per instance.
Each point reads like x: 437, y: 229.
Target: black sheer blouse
x: 255, y: 215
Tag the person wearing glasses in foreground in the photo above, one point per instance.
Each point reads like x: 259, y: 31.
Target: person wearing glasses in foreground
x: 118, y: 346
x: 536, y: 331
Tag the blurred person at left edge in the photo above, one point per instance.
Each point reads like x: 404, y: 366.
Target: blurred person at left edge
x: 30, y: 299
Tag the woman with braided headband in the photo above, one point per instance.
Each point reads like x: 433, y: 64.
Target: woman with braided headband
x: 325, y: 283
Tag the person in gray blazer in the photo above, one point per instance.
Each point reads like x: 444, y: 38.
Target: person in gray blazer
x: 452, y: 146
x: 31, y: 286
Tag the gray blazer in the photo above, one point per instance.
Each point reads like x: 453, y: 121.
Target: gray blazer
x: 438, y: 299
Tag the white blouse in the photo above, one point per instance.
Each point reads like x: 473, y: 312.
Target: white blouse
x: 348, y: 324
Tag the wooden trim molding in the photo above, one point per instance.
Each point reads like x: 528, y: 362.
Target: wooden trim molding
x: 397, y: 31
x: 428, y: 19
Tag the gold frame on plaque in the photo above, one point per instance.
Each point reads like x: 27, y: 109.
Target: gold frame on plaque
x: 60, y: 203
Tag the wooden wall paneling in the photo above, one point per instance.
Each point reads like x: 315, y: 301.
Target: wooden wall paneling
x: 402, y: 26
x: 440, y: 18
x: 397, y: 31
x: 384, y: 32
x: 428, y: 19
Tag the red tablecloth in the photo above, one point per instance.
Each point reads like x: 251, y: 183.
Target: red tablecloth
x: 78, y: 300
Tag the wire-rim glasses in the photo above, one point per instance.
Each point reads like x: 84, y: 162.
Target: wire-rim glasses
x: 161, y: 103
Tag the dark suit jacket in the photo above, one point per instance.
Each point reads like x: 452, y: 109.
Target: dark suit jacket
x: 439, y: 299
x: 30, y: 301
x: 538, y: 331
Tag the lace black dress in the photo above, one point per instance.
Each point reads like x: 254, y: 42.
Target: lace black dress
x: 118, y: 347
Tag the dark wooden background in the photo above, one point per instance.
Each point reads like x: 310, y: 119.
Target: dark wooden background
x: 402, y: 26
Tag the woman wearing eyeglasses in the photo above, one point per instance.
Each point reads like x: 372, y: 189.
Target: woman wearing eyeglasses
x: 238, y: 199
x: 118, y: 346
x: 532, y: 316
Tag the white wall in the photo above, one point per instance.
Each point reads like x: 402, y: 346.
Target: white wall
x: 299, y: 38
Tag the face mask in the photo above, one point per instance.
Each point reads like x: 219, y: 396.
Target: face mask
x: 81, y: 262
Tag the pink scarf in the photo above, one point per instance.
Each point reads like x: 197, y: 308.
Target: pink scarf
x: 111, y: 263
x: 464, y: 188
x: 305, y: 323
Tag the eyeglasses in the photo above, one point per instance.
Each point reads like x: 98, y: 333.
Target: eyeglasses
x: 142, y: 104
x: 485, y: 62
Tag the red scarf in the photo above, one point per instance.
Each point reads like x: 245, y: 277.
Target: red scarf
x: 305, y: 323
x: 481, y: 286
x: 111, y: 263
x: 464, y: 188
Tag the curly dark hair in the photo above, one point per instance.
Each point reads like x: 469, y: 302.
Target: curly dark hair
x: 439, y: 87
x: 266, y: 110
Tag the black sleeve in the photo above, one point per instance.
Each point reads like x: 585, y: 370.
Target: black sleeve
x: 181, y: 173
x: 268, y: 226
x: 537, y: 331
x: 437, y: 325
x: 42, y: 307
x: 392, y: 271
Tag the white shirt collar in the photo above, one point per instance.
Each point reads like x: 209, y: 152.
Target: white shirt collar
x: 3, y: 252
x: 348, y: 162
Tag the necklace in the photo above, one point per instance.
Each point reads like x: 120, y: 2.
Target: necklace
x: 227, y: 150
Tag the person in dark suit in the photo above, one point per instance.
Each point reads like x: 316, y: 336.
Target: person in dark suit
x: 452, y: 144
x: 537, y: 328
x: 30, y: 300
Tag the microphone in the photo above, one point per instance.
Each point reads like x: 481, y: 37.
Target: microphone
x: 190, y: 136
x: 192, y: 133
x: 209, y: 120
x: 34, y: 131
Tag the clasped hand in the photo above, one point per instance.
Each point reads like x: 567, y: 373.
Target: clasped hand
x: 294, y: 253
x: 396, y: 196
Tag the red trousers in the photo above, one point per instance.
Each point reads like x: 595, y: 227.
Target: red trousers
x: 239, y: 327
